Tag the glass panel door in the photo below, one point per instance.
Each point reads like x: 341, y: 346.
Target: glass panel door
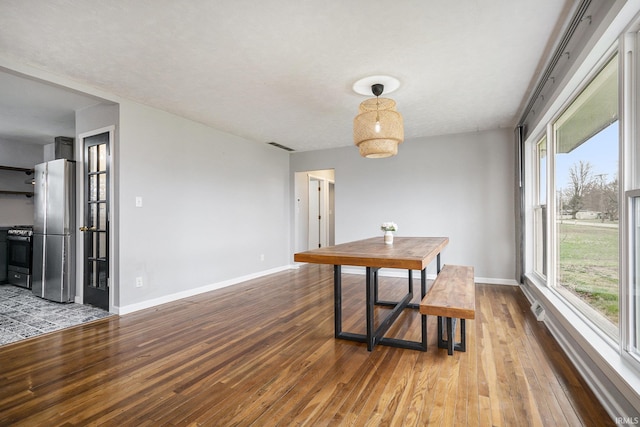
x: 96, y: 228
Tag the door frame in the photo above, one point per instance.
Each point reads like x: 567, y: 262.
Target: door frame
x: 80, y: 214
x: 324, y: 208
x: 300, y: 207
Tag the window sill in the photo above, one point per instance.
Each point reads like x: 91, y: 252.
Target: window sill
x: 591, y: 317
x: 614, y: 379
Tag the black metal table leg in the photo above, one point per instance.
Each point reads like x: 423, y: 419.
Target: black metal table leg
x: 372, y: 275
x: 376, y: 335
x: 375, y: 290
x: 423, y: 292
x: 337, y: 297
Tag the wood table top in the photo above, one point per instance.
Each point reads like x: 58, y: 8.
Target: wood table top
x: 411, y: 253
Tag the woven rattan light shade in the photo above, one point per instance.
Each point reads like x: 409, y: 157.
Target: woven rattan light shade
x: 380, y: 144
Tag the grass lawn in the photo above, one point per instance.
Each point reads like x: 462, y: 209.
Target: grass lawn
x: 589, y: 265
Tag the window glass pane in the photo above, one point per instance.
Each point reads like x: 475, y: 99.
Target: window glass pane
x: 93, y: 187
x: 542, y: 171
x: 102, y: 216
x: 586, y: 191
x: 102, y: 157
x: 540, y: 229
x: 93, y: 159
x: 593, y: 110
x: 102, y: 186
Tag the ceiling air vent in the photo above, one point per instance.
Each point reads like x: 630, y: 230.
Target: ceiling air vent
x: 275, y: 144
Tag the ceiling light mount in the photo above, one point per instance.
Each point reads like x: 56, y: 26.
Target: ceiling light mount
x: 377, y: 89
x: 363, y: 86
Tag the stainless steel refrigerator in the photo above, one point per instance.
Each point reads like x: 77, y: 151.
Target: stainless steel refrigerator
x: 54, y: 231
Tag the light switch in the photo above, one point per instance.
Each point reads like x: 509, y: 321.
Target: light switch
x: 138, y: 202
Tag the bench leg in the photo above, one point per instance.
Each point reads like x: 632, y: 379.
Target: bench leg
x: 451, y: 335
x: 450, y: 343
x: 441, y: 342
x: 423, y: 292
x: 447, y: 343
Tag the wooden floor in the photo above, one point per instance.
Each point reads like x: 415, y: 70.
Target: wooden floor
x: 263, y: 353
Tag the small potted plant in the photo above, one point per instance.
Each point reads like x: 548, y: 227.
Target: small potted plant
x: 389, y: 228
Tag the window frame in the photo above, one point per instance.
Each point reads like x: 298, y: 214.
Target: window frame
x: 629, y: 78
x: 607, y: 365
x: 540, y: 210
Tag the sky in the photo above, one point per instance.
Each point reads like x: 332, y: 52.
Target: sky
x: 601, y: 151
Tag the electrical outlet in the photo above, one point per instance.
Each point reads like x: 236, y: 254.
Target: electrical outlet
x: 138, y: 282
x: 138, y: 202
x: 261, y: 257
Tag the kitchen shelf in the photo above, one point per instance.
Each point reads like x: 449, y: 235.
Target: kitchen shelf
x: 14, y: 169
x: 20, y: 193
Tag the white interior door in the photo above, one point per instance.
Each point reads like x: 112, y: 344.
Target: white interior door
x: 331, y: 214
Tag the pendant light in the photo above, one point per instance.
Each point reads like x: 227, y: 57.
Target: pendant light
x: 378, y: 128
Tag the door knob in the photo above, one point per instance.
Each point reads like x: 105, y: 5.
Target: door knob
x: 85, y: 228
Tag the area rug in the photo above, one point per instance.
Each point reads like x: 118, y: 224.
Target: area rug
x: 24, y: 315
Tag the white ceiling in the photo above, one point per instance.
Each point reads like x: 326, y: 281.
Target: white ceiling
x: 279, y: 70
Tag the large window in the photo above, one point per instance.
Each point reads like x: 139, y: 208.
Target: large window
x: 582, y: 210
x: 586, y: 188
x: 584, y: 254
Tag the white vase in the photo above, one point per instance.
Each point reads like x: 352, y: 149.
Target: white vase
x: 388, y: 237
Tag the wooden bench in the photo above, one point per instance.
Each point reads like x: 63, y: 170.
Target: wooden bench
x: 451, y: 297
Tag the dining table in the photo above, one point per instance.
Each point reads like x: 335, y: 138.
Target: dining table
x: 408, y: 253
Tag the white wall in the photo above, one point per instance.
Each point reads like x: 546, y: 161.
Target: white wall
x: 215, y: 207
x: 17, y: 209
x: 460, y: 186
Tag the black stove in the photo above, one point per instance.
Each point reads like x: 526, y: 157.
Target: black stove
x: 19, y: 255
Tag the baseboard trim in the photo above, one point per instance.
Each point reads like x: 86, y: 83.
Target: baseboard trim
x: 196, y: 291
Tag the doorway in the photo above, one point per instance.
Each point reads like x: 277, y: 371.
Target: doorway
x: 314, y: 209
x: 96, y: 219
